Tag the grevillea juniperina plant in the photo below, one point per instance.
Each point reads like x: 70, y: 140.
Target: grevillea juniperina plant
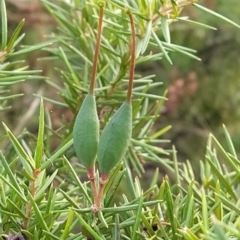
x: 41, y: 194
x: 115, y: 137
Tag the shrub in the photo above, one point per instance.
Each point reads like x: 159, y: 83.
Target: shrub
x: 43, y: 194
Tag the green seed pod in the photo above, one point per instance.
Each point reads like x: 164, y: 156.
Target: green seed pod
x: 115, y: 138
x: 86, y: 132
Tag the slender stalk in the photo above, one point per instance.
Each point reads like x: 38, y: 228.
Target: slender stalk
x: 133, y: 56
x: 97, y: 47
x: 32, y: 192
x: 92, y: 179
x: 102, y: 182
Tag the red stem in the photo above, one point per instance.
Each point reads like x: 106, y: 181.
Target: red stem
x: 102, y: 183
x: 36, y: 172
x: 92, y: 179
x: 133, y: 55
x: 97, y: 47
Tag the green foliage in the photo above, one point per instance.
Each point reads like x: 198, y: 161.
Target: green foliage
x: 42, y: 193
x: 216, y: 96
x: 188, y: 208
x: 13, y: 72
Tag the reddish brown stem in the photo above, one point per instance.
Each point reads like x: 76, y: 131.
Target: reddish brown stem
x: 102, y: 183
x: 133, y: 55
x: 36, y: 172
x: 92, y: 179
x: 97, y: 47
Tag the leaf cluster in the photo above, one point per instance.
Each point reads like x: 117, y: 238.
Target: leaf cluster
x: 13, y: 71
x: 190, y: 208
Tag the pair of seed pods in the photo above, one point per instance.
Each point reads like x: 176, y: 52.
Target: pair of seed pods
x: 110, y: 147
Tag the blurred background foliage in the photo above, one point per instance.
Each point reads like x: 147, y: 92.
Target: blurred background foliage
x: 202, y: 94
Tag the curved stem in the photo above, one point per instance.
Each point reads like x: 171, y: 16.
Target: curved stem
x: 97, y: 47
x: 132, y: 61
